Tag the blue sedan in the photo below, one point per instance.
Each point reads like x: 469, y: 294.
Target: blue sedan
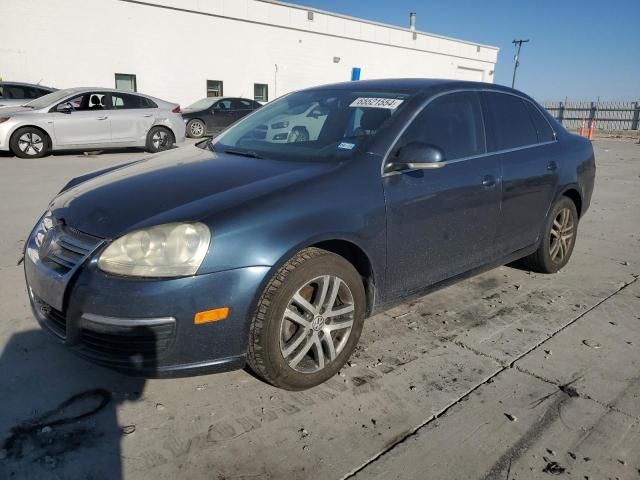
x: 242, y: 249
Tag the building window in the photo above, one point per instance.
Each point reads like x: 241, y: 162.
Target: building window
x: 126, y: 81
x: 214, y: 88
x: 261, y: 92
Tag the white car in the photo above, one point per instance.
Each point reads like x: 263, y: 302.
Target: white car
x: 296, y: 126
x: 81, y: 118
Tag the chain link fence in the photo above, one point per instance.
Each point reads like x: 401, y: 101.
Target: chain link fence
x: 607, y: 115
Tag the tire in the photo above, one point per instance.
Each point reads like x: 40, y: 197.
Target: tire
x: 288, y: 340
x: 159, y: 139
x: 553, y: 253
x: 298, y: 134
x: 196, y: 128
x: 30, y: 142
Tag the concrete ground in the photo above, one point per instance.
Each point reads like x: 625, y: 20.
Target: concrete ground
x: 507, y: 375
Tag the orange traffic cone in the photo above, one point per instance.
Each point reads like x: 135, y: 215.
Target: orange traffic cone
x: 581, y: 129
x: 591, y: 125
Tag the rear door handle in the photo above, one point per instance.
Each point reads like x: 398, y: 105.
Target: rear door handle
x: 147, y: 115
x: 101, y: 118
x: 488, y: 181
x: 552, y: 165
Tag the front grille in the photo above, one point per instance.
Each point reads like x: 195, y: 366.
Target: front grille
x: 53, y: 318
x: 68, y: 248
x: 140, y: 344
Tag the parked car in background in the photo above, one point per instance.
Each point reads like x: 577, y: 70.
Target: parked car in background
x: 294, y: 126
x: 17, y: 93
x: 245, y: 249
x: 212, y: 115
x: 78, y: 118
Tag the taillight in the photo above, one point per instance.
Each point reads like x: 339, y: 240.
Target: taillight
x: 177, y: 109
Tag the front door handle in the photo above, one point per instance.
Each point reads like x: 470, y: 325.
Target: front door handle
x: 552, y: 165
x: 101, y: 118
x: 488, y: 181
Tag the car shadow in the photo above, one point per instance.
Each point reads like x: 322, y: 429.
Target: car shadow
x: 59, y: 414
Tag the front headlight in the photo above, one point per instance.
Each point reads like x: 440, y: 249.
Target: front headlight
x: 45, y: 224
x: 279, y: 125
x: 171, y: 250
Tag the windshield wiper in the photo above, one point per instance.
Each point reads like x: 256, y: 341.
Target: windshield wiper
x: 242, y: 153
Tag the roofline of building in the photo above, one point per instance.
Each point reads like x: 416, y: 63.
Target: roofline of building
x: 149, y: 3
x: 378, y: 24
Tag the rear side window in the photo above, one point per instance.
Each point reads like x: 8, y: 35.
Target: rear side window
x: 543, y: 129
x: 510, y: 121
x: 124, y: 101
x: 452, y: 123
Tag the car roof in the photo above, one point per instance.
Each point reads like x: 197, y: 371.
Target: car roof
x: 24, y: 84
x: 414, y: 85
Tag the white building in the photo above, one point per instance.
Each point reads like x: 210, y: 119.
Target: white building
x: 182, y: 50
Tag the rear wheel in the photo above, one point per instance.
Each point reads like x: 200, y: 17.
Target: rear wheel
x: 196, y: 128
x: 308, y: 320
x: 30, y: 142
x: 559, y: 238
x: 159, y: 139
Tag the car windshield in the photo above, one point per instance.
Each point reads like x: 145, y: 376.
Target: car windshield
x: 313, y: 125
x: 49, y: 99
x: 202, y: 104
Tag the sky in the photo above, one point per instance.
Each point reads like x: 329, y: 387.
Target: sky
x: 580, y: 50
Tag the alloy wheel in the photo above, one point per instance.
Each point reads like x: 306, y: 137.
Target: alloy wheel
x: 31, y: 143
x: 562, y: 232
x: 160, y: 139
x: 196, y: 128
x: 316, y: 324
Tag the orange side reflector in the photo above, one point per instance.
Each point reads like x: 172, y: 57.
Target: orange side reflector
x: 211, y: 315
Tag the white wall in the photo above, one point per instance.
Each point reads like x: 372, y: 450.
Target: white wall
x: 175, y: 47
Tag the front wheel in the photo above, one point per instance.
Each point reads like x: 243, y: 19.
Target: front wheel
x: 159, y: 139
x: 29, y: 142
x: 308, y: 320
x: 558, y: 239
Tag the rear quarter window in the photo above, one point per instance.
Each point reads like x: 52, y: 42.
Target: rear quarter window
x: 510, y: 122
x: 543, y: 129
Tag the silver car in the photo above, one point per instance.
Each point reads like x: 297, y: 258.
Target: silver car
x: 81, y: 118
x: 18, y: 93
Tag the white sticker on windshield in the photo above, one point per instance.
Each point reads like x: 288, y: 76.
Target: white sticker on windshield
x: 389, y: 103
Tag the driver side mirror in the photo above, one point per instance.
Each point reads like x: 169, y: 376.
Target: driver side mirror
x: 64, y: 108
x: 417, y: 156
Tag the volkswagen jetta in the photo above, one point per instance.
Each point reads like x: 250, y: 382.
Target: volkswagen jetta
x: 246, y: 250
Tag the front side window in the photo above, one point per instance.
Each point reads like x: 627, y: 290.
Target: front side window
x: 261, y: 92
x: 510, y: 121
x: 453, y: 123
x: 89, y: 101
x: 224, y: 105
x: 126, y: 81
x: 214, y: 88
x: 314, y: 124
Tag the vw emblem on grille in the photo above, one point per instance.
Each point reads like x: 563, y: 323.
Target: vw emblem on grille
x: 48, y: 242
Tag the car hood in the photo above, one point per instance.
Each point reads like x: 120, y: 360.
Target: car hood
x: 13, y: 110
x: 185, y: 184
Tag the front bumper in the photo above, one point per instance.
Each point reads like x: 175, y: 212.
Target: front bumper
x: 146, y: 326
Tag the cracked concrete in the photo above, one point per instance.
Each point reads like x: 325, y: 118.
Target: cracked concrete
x: 506, y: 375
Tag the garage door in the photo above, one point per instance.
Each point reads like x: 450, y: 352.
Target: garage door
x: 471, y: 74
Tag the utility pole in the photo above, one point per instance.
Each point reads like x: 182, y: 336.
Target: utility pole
x: 516, y: 59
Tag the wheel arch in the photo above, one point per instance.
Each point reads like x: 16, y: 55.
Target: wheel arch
x: 348, y: 249
x: 49, y: 136
x: 575, y: 196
